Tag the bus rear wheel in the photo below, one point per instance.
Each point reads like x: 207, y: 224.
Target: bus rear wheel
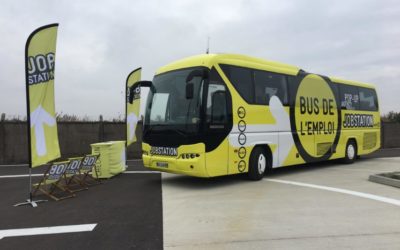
x: 351, y: 152
x: 258, y: 164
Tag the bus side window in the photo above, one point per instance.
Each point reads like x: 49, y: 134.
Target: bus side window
x: 241, y: 78
x: 349, y: 97
x: 335, y: 90
x: 216, y: 104
x: 368, y: 100
x: 218, y: 107
x: 268, y: 84
x: 292, y: 89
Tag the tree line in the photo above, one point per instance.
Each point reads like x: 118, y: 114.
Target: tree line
x: 392, y: 116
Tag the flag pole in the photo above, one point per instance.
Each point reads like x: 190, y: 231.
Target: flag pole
x: 126, y: 121
x: 126, y: 112
x: 30, y: 200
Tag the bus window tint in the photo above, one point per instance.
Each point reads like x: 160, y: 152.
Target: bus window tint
x: 216, y: 103
x: 160, y: 103
x: 349, y: 98
x: 216, y: 110
x: 292, y: 89
x: 241, y: 78
x: 269, y: 84
x: 167, y: 103
x: 368, y: 100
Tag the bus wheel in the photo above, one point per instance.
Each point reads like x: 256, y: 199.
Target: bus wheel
x: 258, y: 164
x: 351, y: 152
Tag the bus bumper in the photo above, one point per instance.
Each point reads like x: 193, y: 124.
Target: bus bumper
x: 193, y: 166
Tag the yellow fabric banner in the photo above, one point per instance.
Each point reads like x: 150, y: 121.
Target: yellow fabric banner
x: 133, y: 107
x: 40, y: 58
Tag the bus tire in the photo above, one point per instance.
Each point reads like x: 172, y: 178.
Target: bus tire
x: 351, y: 152
x: 258, y: 164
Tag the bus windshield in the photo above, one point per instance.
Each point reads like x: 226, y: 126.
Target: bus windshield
x: 167, y: 106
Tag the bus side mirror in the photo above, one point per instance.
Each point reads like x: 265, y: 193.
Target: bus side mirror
x: 189, y: 90
x: 131, y: 93
x: 148, y: 84
x: 189, y: 85
x: 135, y: 89
x: 196, y: 73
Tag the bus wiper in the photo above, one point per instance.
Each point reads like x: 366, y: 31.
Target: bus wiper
x: 178, y: 131
x: 150, y: 128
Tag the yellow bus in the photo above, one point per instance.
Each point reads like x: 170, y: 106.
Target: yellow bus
x: 222, y: 114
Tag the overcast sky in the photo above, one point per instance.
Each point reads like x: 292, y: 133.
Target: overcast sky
x: 100, y: 42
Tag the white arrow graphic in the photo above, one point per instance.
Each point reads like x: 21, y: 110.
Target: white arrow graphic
x: 282, y: 124
x: 132, y: 122
x: 39, y: 117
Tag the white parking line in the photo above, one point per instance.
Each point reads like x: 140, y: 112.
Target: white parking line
x: 46, y: 230
x: 339, y: 190
x: 19, y: 175
x: 26, y: 165
x: 34, y: 175
x: 15, y: 165
x: 141, y: 172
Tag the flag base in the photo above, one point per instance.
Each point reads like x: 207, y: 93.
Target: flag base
x: 31, y: 202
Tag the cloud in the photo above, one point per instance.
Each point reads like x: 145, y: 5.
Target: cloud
x: 100, y: 42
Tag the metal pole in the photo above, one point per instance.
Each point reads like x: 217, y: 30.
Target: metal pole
x: 29, y: 201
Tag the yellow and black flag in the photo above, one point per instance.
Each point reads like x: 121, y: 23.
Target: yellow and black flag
x: 40, y: 55
x: 132, y: 104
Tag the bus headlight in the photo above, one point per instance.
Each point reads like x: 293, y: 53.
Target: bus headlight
x: 189, y: 156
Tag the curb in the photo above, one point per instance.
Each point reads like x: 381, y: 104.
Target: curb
x: 390, y: 179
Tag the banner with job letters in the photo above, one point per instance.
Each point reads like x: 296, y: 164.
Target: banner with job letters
x: 40, y: 56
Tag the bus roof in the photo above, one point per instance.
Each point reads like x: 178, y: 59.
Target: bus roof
x: 359, y: 84
x: 208, y: 60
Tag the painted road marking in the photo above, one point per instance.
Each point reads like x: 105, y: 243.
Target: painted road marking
x: 19, y: 175
x: 34, y: 175
x: 340, y: 190
x: 15, y: 165
x: 26, y: 165
x: 141, y: 172
x: 46, y: 230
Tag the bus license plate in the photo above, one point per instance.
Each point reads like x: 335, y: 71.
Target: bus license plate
x: 162, y: 164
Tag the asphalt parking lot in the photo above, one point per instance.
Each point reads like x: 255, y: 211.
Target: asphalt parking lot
x: 325, y: 205
x: 126, y: 209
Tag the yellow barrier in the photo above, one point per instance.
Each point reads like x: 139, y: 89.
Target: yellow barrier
x: 111, y: 158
